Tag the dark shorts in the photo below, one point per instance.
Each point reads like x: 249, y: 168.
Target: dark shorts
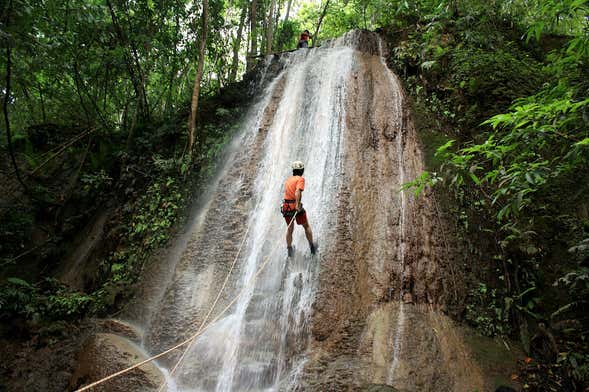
x: 300, y: 218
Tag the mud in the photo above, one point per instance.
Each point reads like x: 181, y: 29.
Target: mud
x: 38, y: 366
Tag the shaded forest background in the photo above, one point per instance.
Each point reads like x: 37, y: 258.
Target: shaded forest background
x: 117, y: 111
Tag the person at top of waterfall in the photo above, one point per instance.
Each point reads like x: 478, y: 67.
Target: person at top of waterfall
x: 292, y: 207
x: 304, y: 39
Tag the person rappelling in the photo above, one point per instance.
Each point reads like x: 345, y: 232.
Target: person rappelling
x: 293, y: 192
x: 304, y: 39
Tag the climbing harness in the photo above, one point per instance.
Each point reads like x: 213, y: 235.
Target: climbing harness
x: 202, y: 329
x: 287, y: 210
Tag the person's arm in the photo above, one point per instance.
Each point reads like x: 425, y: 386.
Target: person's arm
x: 298, y: 195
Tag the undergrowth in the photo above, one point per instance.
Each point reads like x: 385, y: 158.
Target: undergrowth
x: 148, y: 193
x: 509, y: 123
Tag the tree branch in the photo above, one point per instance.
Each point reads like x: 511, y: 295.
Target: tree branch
x: 6, y: 101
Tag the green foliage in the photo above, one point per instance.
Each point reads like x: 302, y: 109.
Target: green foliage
x: 487, y: 312
x: 577, y: 363
x: 17, y: 297
x: 575, y: 282
x: 155, y: 213
x: 15, y: 233
x: 464, y: 65
x: 556, y: 17
x: 516, y: 169
x: 150, y: 190
x: 426, y: 179
x: 150, y: 218
x: 487, y: 81
x: 287, y: 35
x: 48, y: 300
x: 80, y: 63
x: 536, y: 144
x: 96, y: 182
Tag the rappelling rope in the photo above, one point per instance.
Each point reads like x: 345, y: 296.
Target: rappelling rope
x: 196, y: 334
x: 161, y: 388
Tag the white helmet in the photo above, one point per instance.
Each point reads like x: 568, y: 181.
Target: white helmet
x: 298, y: 165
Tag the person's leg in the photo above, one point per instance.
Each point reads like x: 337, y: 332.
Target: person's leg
x: 308, y: 232
x: 289, y: 248
x: 289, y: 231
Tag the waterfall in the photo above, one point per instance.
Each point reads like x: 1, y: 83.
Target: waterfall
x: 335, y: 320
x: 260, y: 343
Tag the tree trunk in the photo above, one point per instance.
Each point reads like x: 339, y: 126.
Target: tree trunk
x: 253, y: 35
x: 319, y: 22
x: 279, y: 5
x: 142, y: 75
x: 7, y: 100
x: 201, y: 63
x: 237, y: 45
x: 282, y: 35
x: 43, y: 112
x: 287, y: 11
x: 174, y: 72
x: 77, y: 81
x: 263, y: 34
x: 137, y: 85
x: 270, y: 30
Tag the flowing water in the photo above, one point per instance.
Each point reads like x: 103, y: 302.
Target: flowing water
x: 337, y: 320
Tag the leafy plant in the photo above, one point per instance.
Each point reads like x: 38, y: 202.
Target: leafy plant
x: 487, y: 312
x: 95, y: 183
x: 48, y: 300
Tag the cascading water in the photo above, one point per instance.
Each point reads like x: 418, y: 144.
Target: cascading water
x: 260, y: 343
x: 334, y: 321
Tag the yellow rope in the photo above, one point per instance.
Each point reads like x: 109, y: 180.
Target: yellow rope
x: 194, y: 336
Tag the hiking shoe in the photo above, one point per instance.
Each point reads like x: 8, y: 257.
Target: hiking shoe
x: 313, y: 247
x: 290, y: 251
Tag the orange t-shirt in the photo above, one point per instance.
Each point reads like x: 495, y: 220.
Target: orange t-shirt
x: 291, y: 185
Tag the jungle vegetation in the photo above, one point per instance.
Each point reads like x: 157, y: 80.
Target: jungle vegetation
x: 124, y: 105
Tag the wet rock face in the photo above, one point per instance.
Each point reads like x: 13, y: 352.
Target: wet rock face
x: 104, y: 354
x: 362, y: 40
x: 119, y: 327
x: 80, y: 267
x: 386, y: 270
x: 378, y: 388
